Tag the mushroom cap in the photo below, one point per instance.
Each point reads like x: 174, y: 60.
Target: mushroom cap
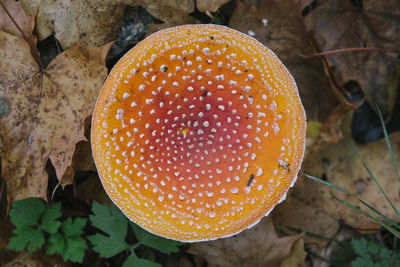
x: 198, y: 132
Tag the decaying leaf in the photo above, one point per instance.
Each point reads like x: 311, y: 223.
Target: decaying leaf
x: 280, y: 26
x: 208, y: 6
x: 258, y: 246
x: 171, y: 12
x: 347, y: 24
x: 297, y: 255
x: 14, y: 21
x: 310, y: 205
x: 84, y: 23
x: 47, y: 111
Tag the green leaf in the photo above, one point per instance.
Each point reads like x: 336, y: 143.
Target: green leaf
x: 31, y: 236
x: 373, y: 254
x: 56, y: 244
x: 25, y: 215
x: 132, y: 260
x: 50, y: 223
x: 112, y: 222
x: 69, y: 243
x: 73, y: 228
x: 162, y: 244
x: 109, y: 220
x: 75, y: 249
x: 107, y: 246
x: 26, y: 212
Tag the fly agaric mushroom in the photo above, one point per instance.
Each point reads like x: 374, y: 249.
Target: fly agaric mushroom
x: 198, y: 132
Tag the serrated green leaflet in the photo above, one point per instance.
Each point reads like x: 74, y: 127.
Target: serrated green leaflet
x: 31, y: 217
x: 70, y: 245
x: 132, y: 260
x: 31, y: 236
x: 56, y: 244
x: 373, y: 254
x: 50, y: 224
x: 112, y: 222
x: 26, y: 212
x: 163, y: 245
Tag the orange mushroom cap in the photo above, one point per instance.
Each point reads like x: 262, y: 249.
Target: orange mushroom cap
x: 198, y: 132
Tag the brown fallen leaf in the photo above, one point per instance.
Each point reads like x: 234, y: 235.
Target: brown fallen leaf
x: 280, y: 26
x: 208, y: 6
x: 171, y: 12
x: 258, y: 246
x: 310, y: 206
x: 37, y: 259
x: 47, y: 111
x: 14, y: 21
x: 347, y: 24
x: 297, y: 255
x: 84, y: 23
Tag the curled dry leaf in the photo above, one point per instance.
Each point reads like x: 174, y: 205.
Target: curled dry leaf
x: 347, y: 24
x: 258, y: 246
x: 280, y: 26
x: 14, y: 21
x: 208, y: 6
x: 171, y: 12
x: 84, y: 23
x: 47, y: 111
x: 297, y: 255
x: 311, y: 207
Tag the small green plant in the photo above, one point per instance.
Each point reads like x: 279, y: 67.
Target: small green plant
x: 38, y: 224
x: 115, y: 226
x: 33, y: 219
x: 371, y: 254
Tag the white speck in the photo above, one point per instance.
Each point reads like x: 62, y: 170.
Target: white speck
x: 189, y: 63
x: 264, y: 22
x: 211, y: 214
x: 161, y: 198
x: 251, y: 33
x: 206, y: 50
x: 259, y: 172
x: 190, y: 89
x: 234, y: 190
x: 260, y: 187
x: 125, y: 96
x: 141, y: 87
x: 176, y: 84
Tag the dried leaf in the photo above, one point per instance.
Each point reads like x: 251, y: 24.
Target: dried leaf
x: 84, y: 23
x: 297, y: 255
x: 310, y: 205
x: 47, y: 111
x: 280, y: 26
x: 171, y: 12
x: 346, y: 24
x: 258, y: 246
x: 210, y: 5
x: 14, y: 21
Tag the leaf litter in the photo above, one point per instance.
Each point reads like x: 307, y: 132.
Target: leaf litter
x: 34, y: 135
x: 47, y: 110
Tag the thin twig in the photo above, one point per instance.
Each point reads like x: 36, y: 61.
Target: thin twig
x: 351, y: 49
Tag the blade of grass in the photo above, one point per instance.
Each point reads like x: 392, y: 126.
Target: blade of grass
x: 353, y: 196
x: 372, y: 176
x: 298, y: 230
x: 385, y: 225
x: 388, y: 142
